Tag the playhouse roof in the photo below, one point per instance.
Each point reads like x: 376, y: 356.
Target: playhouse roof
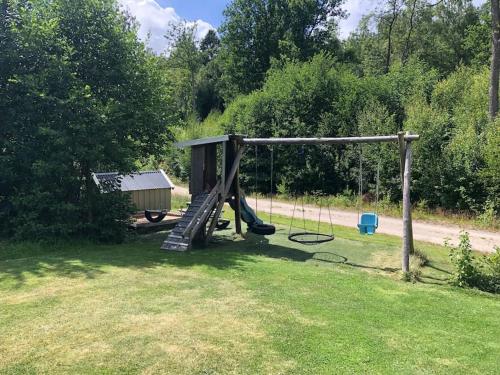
x: 147, y: 180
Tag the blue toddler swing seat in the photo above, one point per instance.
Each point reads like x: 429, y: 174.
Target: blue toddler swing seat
x: 368, y: 223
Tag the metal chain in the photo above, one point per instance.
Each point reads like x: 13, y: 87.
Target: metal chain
x: 360, y: 189
x: 377, y: 187
x: 272, y: 169
x: 255, y: 188
x: 293, y: 215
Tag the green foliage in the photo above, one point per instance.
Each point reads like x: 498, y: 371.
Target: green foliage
x: 183, y: 64
x: 466, y: 274
x: 469, y: 272
x: 255, y: 32
x: 477, y: 39
x: 321, y: 98
x: 443, y: 35
x: 491, y: 169
x: 178, y: 161
x: 451, y: 159
x: 80, y: 94
x: 491, y: 271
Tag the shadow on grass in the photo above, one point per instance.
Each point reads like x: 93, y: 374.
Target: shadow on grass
x: 90, y: 260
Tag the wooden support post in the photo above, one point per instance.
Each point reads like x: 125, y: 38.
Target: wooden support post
x: 196, y: 182
x: 402, y: 156
x: 225, y: 191
x: 407, y: 227
x: 237, y: 206
x: 412, y: 248
x: 237, y: 195
x: 223, y: 166
x: 210, y: 178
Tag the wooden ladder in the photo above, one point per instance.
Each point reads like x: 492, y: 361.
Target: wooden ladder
x: 197, y: 214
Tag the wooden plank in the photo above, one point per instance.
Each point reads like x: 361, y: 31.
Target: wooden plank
x: 203, y: 207
x: 196, y: 183
x: 204, y: 217
x: 210, y: 179
x: 225, y: 192
x: 231, y: 150
x: 237, y: 196
x: 223, y: 166
x: 325, y: 141
x: 407, y: 228
x: 202, y: 141
x: 402, y: 155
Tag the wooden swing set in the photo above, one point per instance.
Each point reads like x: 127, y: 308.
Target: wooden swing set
x: 214, y: 182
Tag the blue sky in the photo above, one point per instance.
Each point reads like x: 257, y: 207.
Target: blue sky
x: 207, y: 10
x: 155, y: 16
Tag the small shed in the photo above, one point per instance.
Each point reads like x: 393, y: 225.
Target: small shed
x: 149, y: 190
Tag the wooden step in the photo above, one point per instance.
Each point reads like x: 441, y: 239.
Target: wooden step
x: 175, y: 246
x: 176, y: 240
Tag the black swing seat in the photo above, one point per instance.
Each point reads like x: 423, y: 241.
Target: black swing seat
x: 222, y: 224
x: 155, y: 216
x: 262, y: 229
x: 310, y: 238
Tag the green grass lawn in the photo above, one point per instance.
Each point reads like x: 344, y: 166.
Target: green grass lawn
x: 263, y: 305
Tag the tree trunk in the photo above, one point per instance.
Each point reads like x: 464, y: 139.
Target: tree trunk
x: 392, y: 21
x: 495, y: 58
x: 406, y: 51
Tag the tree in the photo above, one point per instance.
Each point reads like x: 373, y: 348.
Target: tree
x: 495, y: 58
x: 208, y: 95
x: 80, y: 94
x: 406, y: 50
x: 185, y: 61
x: 209, y: 46
x: 434, y: 33
x: 394, y: 9
x: 256, y: 31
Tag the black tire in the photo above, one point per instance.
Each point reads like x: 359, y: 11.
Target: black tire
x: 262, y: 229
x: 222, y: 224
x: 154, y: 219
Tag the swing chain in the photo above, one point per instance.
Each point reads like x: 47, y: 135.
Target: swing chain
x: 256, y: 186
x: 377, y: 187
x: 271, y: 201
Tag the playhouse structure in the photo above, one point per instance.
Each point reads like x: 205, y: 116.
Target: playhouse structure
x: 148, y: 190
x: 214, y: 181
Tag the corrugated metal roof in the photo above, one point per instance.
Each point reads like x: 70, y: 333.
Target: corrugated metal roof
x: 148, y: 180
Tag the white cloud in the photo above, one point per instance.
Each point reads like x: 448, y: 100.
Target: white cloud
x: 155, y: 20
x: 355, y: 10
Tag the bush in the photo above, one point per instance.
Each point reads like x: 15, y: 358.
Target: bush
x: 470, y: 273
x: 491, y: 273
x: 466, y: 273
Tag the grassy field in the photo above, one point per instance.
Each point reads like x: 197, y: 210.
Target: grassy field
x: 263, y: 305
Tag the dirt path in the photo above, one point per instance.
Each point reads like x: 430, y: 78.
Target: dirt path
x: 481, y: 240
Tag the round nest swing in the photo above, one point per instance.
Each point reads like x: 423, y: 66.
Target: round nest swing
x: 310, y: 238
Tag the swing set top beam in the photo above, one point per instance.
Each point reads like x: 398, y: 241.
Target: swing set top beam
x: 326, y: 141
x: 295, y: 141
